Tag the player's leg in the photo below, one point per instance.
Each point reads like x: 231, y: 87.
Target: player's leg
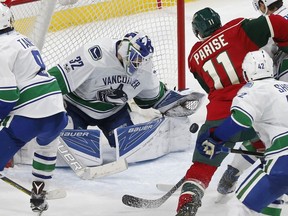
x: 45, y: 156
x: 198, y: 177
x: 264, y: 185
x: 78, y: 117
x: 228, y: 181
x: 120, y: 119
x: 107, y: 125
x: 9, y: 145
x: 201, y: 171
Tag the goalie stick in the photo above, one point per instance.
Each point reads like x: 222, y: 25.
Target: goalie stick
x: 137, y: 202
x: 50, y: 195
x: 89, y: 173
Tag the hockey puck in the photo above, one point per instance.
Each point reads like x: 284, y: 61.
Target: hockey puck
x: 194, y: 128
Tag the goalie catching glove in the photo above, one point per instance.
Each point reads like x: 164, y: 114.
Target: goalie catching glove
x: 176, y: 104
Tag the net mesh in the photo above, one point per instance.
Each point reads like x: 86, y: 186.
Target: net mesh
x: 76, y: 24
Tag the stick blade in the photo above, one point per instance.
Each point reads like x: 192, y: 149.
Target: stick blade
x: 105, y: 170
x: 137, y: 202
x: 165, y: 187
x: 56, y: 194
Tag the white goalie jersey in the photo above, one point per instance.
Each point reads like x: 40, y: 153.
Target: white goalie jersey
x: 93, y: 79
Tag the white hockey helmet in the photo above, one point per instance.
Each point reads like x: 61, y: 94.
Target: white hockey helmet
x: 7, y: 18
x: 135, y: 49
x: 257, y: 65
x: 265, y: 2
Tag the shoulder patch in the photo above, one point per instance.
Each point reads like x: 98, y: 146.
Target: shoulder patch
x: 95, y: 52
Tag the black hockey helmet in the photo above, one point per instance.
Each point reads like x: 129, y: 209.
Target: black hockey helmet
x: 205, y: 22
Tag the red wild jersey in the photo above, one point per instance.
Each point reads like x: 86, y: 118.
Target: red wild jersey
x: 217, y: 61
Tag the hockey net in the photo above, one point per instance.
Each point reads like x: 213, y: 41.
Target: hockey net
x: 59, y: 27
x: 76, y: 22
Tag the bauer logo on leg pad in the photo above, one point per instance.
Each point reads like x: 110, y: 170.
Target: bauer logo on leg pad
x: 129, y: 138
x: 85, y: 144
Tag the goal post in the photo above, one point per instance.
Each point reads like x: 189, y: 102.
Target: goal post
x: 59, y: 27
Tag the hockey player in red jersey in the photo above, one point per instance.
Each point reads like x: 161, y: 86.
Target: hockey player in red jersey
x: 216, y: 62
x: 228, y: 181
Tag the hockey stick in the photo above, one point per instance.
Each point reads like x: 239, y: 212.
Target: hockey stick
x: 242, y: 152
x: 166, y: 187
x: 194, y: 128
x: 137, y: 202
x: 85, y: 172
x: 53, y: 194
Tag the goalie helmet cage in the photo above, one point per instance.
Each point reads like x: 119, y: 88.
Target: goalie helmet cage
x: 59, y: 27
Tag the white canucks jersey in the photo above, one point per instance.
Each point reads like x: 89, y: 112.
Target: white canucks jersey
x: 265, y: 104
x: 91, y: 73
x: 22, y: 67
x: 277, y: 55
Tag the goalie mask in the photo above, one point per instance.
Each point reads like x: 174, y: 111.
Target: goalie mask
x: 257, y: 65
x: 135, y: 49
x: 205, y: 22
x: 7, y: 19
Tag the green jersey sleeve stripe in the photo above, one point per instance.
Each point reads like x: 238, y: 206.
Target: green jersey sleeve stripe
x: 258, y: 30
x: 59, y: 74
x: 241, y: 117
x: 38, y: 90
x: 9, y: 94
x: 146, y: 103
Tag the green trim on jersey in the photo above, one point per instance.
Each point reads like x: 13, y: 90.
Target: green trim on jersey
x: 262, y: 31
x: 249, y: 184
x: 98, y: 106
x: 148, y: 103
x: 54, y: 71
x: 283, y: 67
x: 272, y: 211
x: 38, y: 91
x: 241, y: 118
x: 278, y: 143
x: 9, y: 95
x: 284, y: 49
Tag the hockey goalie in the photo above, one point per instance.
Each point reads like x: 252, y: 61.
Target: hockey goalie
x: 98, y: 82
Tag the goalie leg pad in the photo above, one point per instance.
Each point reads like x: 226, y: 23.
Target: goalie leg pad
x: 153, y: 139
x: 85, y: 144
x: 107, y: 125
x: 132, y: 139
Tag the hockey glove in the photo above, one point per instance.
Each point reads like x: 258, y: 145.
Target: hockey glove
x: 208, y: 145
x: 174, y: 104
